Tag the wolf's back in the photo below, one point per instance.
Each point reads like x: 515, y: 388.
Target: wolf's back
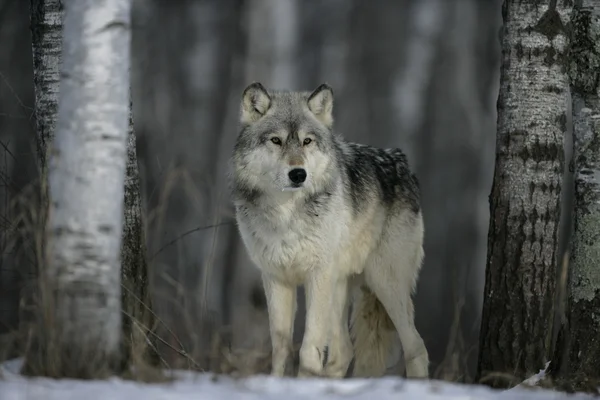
x: 379, y: 174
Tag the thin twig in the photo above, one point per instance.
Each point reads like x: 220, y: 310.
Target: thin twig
x: 6, y: 148
x: 155, y: 316
x: 149, y: 342
x: 182, y: 352
x: 10, y: 88
x: 200, y: 228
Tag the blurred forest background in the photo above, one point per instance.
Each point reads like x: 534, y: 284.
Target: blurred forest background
x: 422, y: 75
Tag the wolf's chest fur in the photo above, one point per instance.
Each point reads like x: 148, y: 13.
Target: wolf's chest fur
x: 286, y: 240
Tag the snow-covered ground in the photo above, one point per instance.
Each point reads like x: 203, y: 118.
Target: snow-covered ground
x: 208, y: 387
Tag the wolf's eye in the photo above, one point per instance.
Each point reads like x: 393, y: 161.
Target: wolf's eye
x: 276, y: 140
x: 307, y: 141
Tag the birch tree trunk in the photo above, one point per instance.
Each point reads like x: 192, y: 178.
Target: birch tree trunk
x: 46, y: 27
x: 517, y: 315
x: 86, y: 177
x: 580, y: 362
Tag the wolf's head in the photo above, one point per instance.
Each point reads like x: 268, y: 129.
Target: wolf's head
x: 286, y: 141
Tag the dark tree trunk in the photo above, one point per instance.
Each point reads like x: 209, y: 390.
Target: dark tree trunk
x: 584, y: 282
x: 46, y: 18
x: 46, y: 35
x: 517, y: 315
x: 138, y: 317
x: 577, y: 359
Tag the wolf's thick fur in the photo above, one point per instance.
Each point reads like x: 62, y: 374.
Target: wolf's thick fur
x: 340, y: 218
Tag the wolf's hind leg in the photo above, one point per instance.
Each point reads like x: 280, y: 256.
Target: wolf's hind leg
x: 392, y: 287
x: 281, y: 305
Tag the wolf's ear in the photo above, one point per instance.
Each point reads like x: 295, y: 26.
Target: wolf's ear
x: 320, y: 103
x: 255, y: 103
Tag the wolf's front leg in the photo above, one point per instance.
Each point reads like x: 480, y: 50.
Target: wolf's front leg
x: 281, y: 305
x: 340, y: 345
x: 325, y: 351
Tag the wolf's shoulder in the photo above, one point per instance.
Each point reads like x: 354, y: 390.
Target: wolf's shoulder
x: 386, y: 170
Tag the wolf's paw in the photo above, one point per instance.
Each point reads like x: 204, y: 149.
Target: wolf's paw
x: 323, y: 362
x: 338, y: 360
x: 417, y: 366
x: 312, y: 360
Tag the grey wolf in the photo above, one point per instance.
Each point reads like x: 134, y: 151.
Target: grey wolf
x: 342, y: 219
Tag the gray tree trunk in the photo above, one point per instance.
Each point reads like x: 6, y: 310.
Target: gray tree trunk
x: 46, y: 23
x: 517, y: 320
x: 577, y: 361
x: 86, y: 178
x: 138, y: 316
x: 46, y: 35
x: 584, y: 282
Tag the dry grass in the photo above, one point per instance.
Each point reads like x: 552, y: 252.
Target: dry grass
x: 149, y: 334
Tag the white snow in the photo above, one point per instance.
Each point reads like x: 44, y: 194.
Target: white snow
x: 208, y: 387
x: 535, y: 379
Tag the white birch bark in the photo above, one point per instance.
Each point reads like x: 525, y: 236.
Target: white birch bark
x: 86, y: 176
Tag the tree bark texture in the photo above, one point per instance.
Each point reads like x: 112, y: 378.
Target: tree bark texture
x: 46, y: 35
x: 46, y: 27
x: 583, y: 357
x: 86, y: 177
x: 138, y: 317
x: 519, y: 289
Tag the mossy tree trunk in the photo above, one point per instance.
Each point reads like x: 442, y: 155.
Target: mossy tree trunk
x: 517, y: 314
x: 577, y: 361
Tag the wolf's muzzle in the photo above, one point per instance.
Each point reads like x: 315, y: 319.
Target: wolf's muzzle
x: 297, y: 175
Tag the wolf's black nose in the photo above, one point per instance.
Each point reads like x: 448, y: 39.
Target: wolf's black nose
x: 297, y: 175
